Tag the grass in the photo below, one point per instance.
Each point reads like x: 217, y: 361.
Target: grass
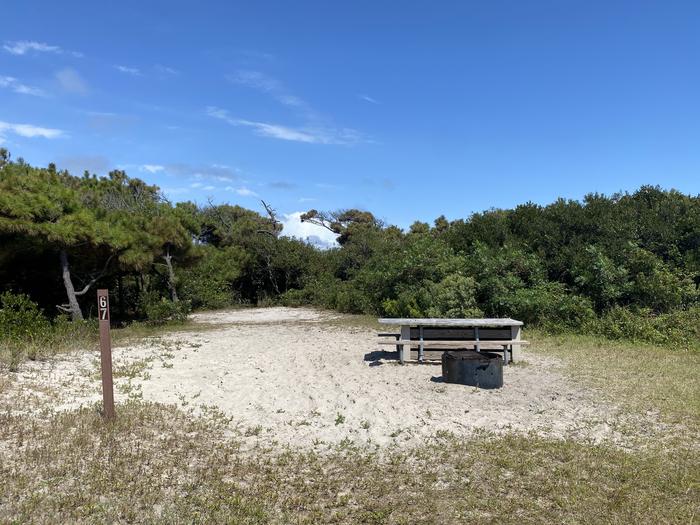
x: 157, y: 465
x: 646, y: 378
x: 85, y: 336
x: 161, y: 464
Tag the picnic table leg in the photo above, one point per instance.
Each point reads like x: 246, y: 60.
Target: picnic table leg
x: 514, y: 349
x: 421, y: 348
x: 405, y: 353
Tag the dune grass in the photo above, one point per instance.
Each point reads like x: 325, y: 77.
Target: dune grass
x: 71, y: 337
x: 646, y: 378
x: 156, y: 464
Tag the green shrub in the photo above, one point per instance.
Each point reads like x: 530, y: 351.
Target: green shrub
x: 350, y: 300
x: 159, y: 310
x: 209, y: 282
x: 330, y: 293
x: 20, y: 318
x: 303, y: 297
x: 405, y: 305
x: 454, y: 296
x: 679, y: 328
x: 550, y: 306
x: 23, y: 329
x: 656, y: 284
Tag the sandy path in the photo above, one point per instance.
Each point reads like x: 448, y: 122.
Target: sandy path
x: 289, y: 376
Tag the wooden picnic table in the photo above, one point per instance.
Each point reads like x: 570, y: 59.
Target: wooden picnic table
x: 429, y: 338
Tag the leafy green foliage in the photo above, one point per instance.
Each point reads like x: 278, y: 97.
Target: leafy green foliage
x: 626, y: 265
x: 210, y: 282
x: 680, y: 328
x: 550, y: 305
x: 159, y: 310
x: 20, y: 318
x: 26, y: 332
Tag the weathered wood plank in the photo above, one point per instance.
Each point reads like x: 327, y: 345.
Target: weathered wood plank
x: 462, y: 333
x: 515, y: 332
x: 451, y: 322
x: 436, y: 355
x: 452, y: 343
x: 405, y: 350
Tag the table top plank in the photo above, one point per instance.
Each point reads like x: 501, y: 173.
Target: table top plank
x: 451, y: 322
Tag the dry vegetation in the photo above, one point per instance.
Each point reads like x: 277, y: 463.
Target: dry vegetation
x: 158, y: 463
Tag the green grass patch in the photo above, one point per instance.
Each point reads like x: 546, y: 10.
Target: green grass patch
x: 641, y: 376
x: 157, y: 465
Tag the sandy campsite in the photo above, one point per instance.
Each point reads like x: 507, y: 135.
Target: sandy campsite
x: 308, y: 378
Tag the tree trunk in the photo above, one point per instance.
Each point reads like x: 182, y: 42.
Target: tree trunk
x: 171, y: 276
x: 73, y: 306
x: 268, y: 263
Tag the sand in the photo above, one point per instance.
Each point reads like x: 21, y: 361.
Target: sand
x: 299, y: 377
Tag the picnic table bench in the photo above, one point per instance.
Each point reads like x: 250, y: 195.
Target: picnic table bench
x: 423, y: 339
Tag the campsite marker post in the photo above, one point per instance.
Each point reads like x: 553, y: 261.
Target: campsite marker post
x: 105, y: 354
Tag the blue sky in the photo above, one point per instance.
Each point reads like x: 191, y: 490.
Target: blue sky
x: 408, y: 109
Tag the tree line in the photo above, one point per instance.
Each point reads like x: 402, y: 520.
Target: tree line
x: 626, y: 264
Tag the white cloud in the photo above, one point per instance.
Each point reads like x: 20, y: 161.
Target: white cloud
x: 269, y: 85
x: 209, y: 188
x: 291, y: 100
x: 23, y: 46
x: 196, y: 185
x: 128, y: 70
x: 221, y: 114
x: 152, y: 168
x: 367, y: 98
x: 242, y: 191
x: 318, y: 235
x: 311, y: 135
x: 278, y: 131
x: 166, y: 70
x: 256, y: 80
x: 71, y: 81
x: 16, y: 86
x: 212, y: 172
x: 29, y: 130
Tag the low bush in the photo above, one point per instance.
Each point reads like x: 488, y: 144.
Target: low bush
x: 454, y: 296
x: 679, y: 328
x: 25, y: 332
x: 23, y: 328
x: 20, y: 318
x: 550, y: 306
x: 209, y: 282
x: 159, y: 310
x: 295, y: 298
x: 408, y: 303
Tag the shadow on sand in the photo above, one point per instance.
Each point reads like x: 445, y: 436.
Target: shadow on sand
x: 376, y: 357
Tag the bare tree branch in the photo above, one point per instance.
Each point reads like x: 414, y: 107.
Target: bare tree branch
x: 319, y: 218
x: 216, y: 211
x: 96, y: 278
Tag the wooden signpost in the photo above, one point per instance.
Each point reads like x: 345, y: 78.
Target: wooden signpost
x: 105, y: 354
